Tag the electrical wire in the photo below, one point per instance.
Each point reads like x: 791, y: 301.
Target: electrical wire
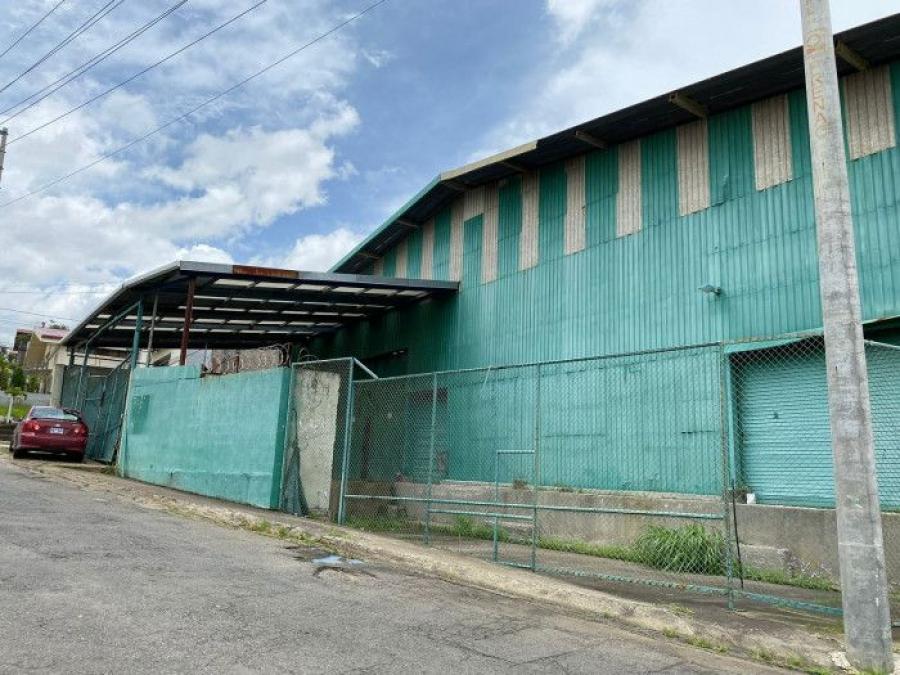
x: 43, y: 316
x: 190, y: 112
x: 71, y: 37
x: 31, y: 28
x: 135, y: 76
x: 75, y: 73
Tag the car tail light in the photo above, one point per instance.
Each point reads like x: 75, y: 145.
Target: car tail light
x: 31, y: 425
x: 79, y: 430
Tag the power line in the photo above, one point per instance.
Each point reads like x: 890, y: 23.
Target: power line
x: 71, y: 37
x: 31, y: 28
x: 43, y: 316
x: 190, y: 112
x: 75, y: 73
x: 136, y: 75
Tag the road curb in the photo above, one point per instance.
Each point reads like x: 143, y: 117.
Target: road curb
x: 792, y: 646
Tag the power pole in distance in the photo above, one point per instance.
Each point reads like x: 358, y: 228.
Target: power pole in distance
x: 867, y: 622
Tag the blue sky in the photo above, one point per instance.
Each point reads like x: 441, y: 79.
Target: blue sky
x: 297, y: 166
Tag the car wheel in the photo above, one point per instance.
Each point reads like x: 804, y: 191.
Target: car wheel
x: 19, y: 453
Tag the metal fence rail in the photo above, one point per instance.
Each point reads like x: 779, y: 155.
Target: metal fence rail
x: 705, y: 469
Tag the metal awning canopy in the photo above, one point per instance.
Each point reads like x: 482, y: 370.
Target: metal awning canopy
x: 241, y: 306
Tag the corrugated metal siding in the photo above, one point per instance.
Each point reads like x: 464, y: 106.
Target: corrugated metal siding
x: 785, y: 441
x: 601, y: 177
x: 509, y: 225
x: 575, y: 239
x: 442, y: 245
x: 693, y: 167
x: 622, y: 294
x: 473, y: 203
x: 378, y: 267
x: 414, y: 254
x: 783, y: 431
x: 628, y: 201
x: 659, y: 178
x: 868, y: 101
x: 730, y: 155
x: 528, y: 239
x: 426, y: 268
x: 457, y: 225
x: 389, y: 263
x: 773, y: 163
x: 490, y: 235
x: 402, y: 258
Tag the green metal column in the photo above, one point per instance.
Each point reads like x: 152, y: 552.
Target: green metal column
x: 431, y: 458
x: 136, y: 340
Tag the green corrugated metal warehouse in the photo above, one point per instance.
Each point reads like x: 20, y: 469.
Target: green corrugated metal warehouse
x: 686, y: 220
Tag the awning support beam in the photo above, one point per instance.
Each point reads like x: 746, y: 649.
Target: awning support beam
x: 188, y: 317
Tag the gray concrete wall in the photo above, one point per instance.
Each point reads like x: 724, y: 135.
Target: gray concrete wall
x: 317, y: 396
x: 793, y: 539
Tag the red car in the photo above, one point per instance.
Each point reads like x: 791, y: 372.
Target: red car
x: 57, y: 430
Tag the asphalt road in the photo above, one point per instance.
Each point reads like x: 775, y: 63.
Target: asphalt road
x: 92, y: 583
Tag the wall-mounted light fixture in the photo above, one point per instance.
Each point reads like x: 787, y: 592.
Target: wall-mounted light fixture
x: 710, y: 289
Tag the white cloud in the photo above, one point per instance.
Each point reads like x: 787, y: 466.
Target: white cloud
x: 318, y: 252
x: 617, y: 53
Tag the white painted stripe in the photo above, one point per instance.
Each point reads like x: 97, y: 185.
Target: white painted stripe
x: 474, y: 203
x: 456, y: 239
x: 427, y: 266
x: 628, y: 198
x: 490, y: 233
x: 693, y: 167
x: 870, y: 112
x: 772, y: 161
x: 402, y: 259
x: 528, y: 239
x: 378, y: 268
x: 575, y: 236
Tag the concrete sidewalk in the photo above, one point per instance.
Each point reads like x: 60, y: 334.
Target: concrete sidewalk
x: 768, y: 634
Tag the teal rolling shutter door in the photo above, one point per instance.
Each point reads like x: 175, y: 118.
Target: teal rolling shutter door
x: 782, y: 429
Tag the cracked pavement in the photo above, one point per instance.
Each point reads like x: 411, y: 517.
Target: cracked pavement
x: 91, y: 583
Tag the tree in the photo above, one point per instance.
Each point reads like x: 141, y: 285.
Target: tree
x: 18, y: 378
x: 32, y: 384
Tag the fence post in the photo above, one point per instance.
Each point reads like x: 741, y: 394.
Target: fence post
x: 727, y: 493
x: 536, y: 470
x: 345, y: 459
x: 431, y: 458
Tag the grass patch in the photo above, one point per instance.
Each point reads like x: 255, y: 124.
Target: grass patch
x: 670, y: 632
x: 703, y: 643
x: 783, y: 579
x: 691, y: 548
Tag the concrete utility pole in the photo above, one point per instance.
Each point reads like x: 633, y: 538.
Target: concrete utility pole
x: 3, y: 135
x: 867, y: 622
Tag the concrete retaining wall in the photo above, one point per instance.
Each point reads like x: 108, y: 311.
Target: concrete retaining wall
x: 792, y: 539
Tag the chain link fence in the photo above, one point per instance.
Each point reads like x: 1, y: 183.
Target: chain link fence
x: 100, y: 395
x: 705, y: 469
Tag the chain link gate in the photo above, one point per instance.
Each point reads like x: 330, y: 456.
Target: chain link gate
x: 100, y: 396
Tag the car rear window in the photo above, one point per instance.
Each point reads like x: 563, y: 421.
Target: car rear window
x: 48, y: 413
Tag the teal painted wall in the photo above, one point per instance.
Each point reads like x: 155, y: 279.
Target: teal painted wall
x: 645, y: 423
x: 217, y: 436
x: 640, y: 292
x: 782, y: 432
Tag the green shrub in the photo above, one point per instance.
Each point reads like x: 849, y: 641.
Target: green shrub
x: 690, y: 548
